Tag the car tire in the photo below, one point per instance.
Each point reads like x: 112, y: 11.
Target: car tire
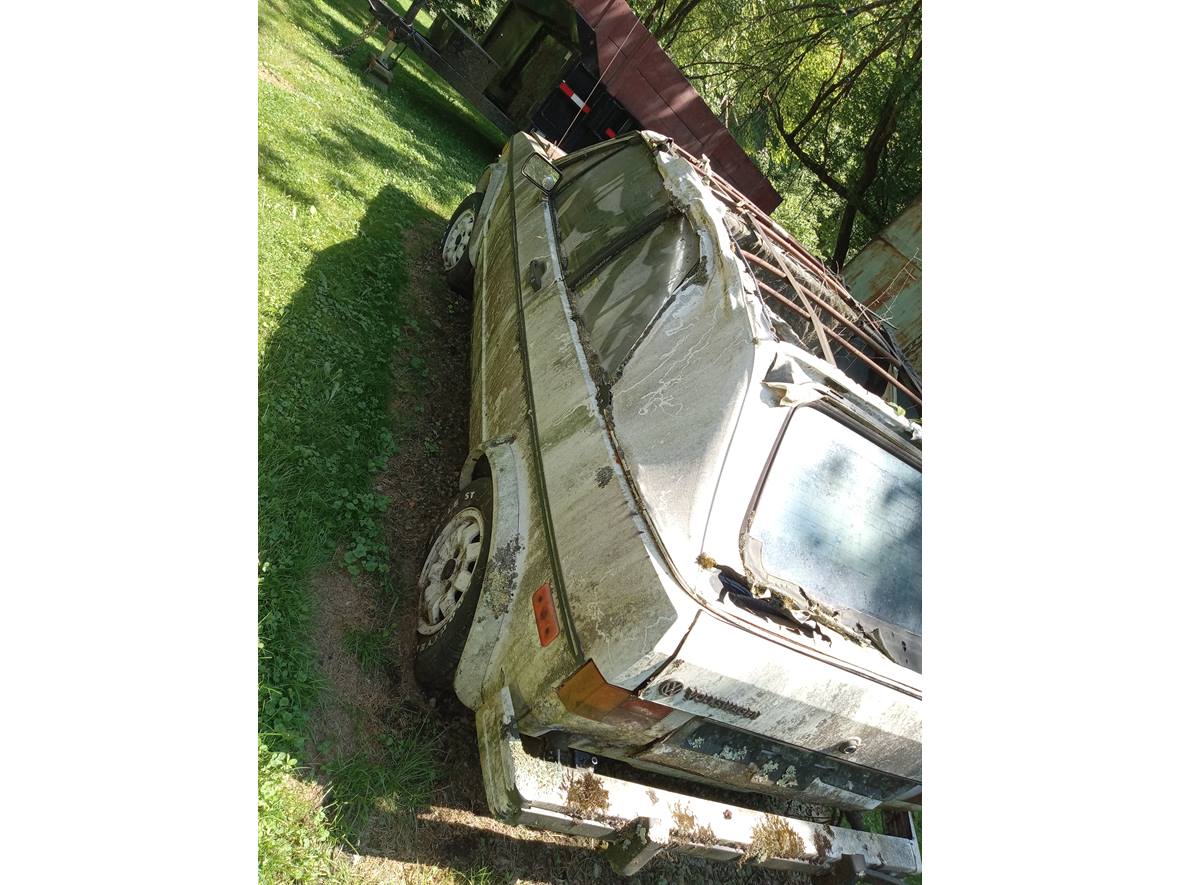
x: 442, y: 629
x: 456, y: 246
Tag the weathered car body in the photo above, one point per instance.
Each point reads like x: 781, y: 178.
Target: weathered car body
x: 654, y: 435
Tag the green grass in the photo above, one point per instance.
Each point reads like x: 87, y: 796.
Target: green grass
x: 371, y: 647
x: 344, y: 171
x: 398, y: 779
x: 293, y: 839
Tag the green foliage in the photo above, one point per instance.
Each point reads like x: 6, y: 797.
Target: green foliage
x: 294, y: 843
x: 358, y: 513
x: 398, y: 779
x: 829, y: 76
x: 474, y: 15
x: 371, y: 647
x: 484, y: 876
x: 343, y: 171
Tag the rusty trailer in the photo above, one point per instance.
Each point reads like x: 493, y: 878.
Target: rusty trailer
x: 576, y: 72
x: 641, y: 822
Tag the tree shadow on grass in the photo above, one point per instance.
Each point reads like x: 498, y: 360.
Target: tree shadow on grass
x: 365, y: 372
x: 417, y: 92
x: 372, y: 351
x: 324, y: 380
x: 275, y: 170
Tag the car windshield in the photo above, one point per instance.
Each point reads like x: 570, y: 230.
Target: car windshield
x: 841, y: 517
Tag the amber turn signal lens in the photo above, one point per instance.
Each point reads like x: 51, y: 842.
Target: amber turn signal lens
x: 587, y: 694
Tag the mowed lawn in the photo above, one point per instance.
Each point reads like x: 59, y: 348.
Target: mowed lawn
x: 344, y: 171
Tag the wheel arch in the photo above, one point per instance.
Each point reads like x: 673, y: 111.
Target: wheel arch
x: 499, y: 460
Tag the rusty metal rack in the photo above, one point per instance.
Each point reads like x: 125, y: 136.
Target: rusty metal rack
x: 816, y: 299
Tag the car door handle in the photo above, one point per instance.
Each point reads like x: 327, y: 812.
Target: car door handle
x: 536, y: 273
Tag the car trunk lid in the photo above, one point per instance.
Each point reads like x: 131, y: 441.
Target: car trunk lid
x: 748, y: 681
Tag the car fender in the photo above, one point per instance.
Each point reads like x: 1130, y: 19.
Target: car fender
x: 505, y: 566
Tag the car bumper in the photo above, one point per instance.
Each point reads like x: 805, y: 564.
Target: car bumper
x: 640, y: 822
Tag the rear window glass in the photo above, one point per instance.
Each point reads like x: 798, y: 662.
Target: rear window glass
x: 842, y: 518
x: 626, y: 248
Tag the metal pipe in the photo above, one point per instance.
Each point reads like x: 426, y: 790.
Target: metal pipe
x: 869, y: 332
x: 867, y: 360
x: 768, y: 227
x: 880, y: 346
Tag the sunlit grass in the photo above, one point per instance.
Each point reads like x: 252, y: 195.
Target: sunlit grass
x: 344, y: 170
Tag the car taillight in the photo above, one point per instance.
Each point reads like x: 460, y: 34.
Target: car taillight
x: 587, y: 694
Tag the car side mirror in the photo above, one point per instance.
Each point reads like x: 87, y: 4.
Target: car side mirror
x: 540, y: 172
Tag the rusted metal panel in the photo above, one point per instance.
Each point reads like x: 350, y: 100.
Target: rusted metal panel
x: 510, y: 523
x: 886, y: 275
x: 641, y: 821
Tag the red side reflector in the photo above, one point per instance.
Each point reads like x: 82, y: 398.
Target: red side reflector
x: 546, y: 615
x: 585, y: 109
x: 610, y: 133
x: 587, y: 694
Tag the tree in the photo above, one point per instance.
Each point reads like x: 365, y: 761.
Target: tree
x: 664, y: 19
x: 473, y: 15
x: 826, y: 96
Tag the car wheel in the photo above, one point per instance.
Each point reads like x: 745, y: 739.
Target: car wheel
x: 456, y: 246
x: 449, y: 584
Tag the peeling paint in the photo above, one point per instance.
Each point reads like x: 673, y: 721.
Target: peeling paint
x: 501, y: 579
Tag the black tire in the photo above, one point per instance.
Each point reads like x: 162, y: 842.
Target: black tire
x: 460, y: 275
x: 437, y: 654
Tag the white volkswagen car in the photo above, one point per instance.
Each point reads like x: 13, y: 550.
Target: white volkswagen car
x: 680, y: 583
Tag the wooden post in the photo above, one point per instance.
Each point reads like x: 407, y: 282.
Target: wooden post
x: 412, y: 12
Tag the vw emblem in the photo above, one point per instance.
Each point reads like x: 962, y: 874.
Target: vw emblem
x: 670, y: 687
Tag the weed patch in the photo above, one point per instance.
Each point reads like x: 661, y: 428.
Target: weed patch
x: 397, y: 780
x: 294, y: 843
x: 371, y: 647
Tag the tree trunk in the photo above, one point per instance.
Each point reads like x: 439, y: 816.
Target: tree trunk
x: 874, y: 148
x: 671, y: 25
x: 826, y: 177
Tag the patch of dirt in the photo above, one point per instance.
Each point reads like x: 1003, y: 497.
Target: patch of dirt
x: 354, y: 703
x: 428, y: 409
x: 265, y: 73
